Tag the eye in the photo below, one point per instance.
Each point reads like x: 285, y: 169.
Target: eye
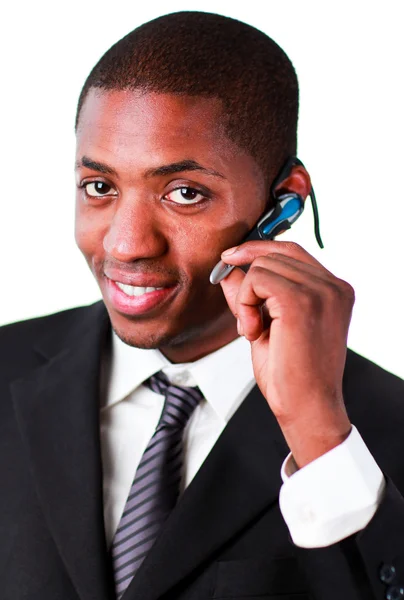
x: 97, y: 189
x: 186, y: 195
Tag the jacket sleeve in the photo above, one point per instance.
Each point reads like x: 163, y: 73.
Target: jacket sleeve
x: 366, y: 566
x: 381, y: 546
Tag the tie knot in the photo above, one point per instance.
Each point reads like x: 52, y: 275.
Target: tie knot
x: 179, y: 403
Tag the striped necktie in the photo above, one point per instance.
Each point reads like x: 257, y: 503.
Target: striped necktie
x: 156, y: 485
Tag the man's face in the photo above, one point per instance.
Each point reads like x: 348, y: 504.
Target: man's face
x: 161, y: 192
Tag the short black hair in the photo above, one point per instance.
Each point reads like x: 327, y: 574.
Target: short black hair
x: 209, y: 55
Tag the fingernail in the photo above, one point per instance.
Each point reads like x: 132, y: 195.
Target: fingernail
x: 230, y: 251
x: 239, y: 328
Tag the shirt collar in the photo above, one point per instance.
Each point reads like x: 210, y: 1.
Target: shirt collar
x: 224, y: 376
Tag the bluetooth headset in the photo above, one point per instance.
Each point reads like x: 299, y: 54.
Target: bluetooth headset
x: 288, y: 208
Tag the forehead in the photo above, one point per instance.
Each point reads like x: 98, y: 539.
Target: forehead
x: 162, y: 119
x: 137, y: 128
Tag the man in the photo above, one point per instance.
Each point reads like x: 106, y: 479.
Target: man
x: 146, y: 463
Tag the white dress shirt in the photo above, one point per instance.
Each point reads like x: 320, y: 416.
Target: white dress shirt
x: 132, y: 411
x: 329, y: 499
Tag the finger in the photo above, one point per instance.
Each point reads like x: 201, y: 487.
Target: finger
x: 247, y: 252
x: 311, y: 279
x: 268, y: 278
x: 298, y: 305
x: 258, y: 292
x: 295, y: 305
x: 252, y: 323
x: 262, y: 285
x: 295, y: 270
x: 230, y: 286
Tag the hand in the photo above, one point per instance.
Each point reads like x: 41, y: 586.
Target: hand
x: 296, y: 315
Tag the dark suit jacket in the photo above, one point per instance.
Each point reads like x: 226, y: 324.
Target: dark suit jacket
x: 225, y: 539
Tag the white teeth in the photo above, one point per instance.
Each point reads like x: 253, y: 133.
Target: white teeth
x: 134, y: 290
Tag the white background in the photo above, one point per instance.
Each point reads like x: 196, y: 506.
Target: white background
x: 349, y: 59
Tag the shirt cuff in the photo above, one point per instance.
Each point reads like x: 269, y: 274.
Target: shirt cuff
x: 332, y: 497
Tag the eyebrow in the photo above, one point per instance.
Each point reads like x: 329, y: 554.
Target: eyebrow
x: 170, y: 169
x: 95, y: 166
x: 183, y: 165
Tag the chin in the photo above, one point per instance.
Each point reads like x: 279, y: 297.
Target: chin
x: 136, y: 336
x: 147, y: 342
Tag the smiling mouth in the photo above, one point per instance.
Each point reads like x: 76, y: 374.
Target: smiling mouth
x: 134, y: 290
x: 133, y: 300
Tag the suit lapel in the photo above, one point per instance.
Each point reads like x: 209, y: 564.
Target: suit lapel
x: 57, y: 408
x: 239, y: 479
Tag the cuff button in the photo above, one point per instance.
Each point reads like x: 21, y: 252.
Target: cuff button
x: 395, y: 592
x: 387, y: 574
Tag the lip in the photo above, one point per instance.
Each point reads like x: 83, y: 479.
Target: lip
x: 138, y: 305
x: 137, y: 279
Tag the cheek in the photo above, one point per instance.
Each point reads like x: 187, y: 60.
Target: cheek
x: 198, y: 246
x: 88, y: 231
x: 220, y: 233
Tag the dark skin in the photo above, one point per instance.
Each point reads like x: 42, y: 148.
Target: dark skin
x: 145, y: 230
x: 133, y: 227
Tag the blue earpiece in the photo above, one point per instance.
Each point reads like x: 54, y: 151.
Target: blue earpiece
x: 280, y: 218
x: 286, y: 211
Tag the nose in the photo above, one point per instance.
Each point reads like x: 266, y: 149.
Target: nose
x: 134, y: 232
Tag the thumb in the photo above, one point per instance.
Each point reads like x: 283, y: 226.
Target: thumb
x: 230, y: 286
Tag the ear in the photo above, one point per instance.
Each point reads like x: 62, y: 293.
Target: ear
x: 298, y: 181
